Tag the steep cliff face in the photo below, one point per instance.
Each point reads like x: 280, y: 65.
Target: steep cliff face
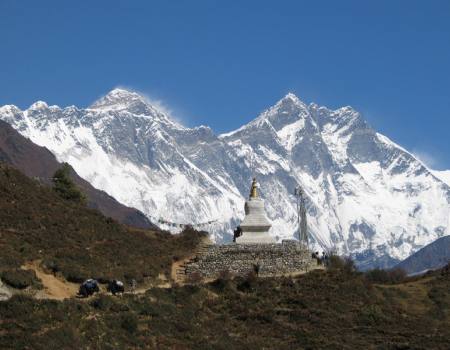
x: 366, y: 195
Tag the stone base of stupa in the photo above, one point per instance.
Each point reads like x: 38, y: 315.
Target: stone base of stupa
x: 269, y: 260
x: 255, y: 238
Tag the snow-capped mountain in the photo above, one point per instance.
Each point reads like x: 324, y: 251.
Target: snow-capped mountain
x: 444, y: 175
x: 365, y: 194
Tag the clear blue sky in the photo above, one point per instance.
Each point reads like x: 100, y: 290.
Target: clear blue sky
x: 222, y: 62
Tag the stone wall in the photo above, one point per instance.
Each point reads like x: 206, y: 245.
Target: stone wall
x: 288, y: 257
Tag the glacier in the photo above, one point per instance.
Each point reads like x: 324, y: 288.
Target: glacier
x: 366, y: 196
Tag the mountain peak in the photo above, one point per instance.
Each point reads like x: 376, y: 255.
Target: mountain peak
x: 122, y: 93
x: 290, y: 101
x: 291, y: 96
x: 122, y: 100
x: 38, y: 105
x: 118, y: 99
x: 9, y: 109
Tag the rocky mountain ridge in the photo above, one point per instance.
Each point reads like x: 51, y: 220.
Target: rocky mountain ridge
x: 431, y: 257
x: 366, y: 196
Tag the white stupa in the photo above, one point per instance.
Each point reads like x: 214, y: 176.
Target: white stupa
x: 255, y: 226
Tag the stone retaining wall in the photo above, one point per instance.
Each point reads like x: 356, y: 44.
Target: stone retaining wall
x: 288, y: 257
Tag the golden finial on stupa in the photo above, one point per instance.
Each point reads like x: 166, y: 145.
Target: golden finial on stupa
x: 253, y: 190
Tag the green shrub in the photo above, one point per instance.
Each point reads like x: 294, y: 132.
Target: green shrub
x: 446, y: 270
x: 371, y: 314
x: 346, y: 265
x: 65, y: 187
x: 223, y: 280
x: 20, y: 279
x: 51, y: 266
x: 74, y: 273
x: 248, y: 283
x: 386, y: 276
x: 129, y: 322
x: 102, y: 302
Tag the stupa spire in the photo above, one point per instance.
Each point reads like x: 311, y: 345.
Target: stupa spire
x: 254, y: 189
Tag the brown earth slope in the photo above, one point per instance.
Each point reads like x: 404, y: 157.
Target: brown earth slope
x: 319, y: 310
x: 39, y: 163
x: 77, y: 242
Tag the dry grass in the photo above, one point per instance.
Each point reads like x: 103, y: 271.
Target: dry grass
x: 321, y: 309
x: 77, y: 242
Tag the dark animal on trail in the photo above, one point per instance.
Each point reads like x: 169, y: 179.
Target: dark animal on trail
x: 115, y: 287
x: 88, y: 288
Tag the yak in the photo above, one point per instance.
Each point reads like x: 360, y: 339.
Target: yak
x: 88, y: 288
x: 115, y: 287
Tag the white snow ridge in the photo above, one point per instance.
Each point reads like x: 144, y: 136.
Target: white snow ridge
x: 366, y: 196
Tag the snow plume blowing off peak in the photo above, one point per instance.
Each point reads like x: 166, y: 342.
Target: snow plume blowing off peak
x: 126, y: 99
x: 365, y: 195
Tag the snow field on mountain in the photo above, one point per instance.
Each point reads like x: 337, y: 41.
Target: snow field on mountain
x: 363, y: 191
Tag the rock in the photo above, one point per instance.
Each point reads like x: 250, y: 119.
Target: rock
x: 5, y: 293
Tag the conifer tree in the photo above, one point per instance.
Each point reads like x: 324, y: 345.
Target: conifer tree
x: 65, y: 187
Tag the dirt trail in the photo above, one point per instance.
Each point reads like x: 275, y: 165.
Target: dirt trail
x: 161, y: 282
x: 54, y: 288
x: 58, y: 289
x: 177, y: 265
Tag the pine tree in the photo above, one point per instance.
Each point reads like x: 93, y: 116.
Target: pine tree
x: 65, y: 187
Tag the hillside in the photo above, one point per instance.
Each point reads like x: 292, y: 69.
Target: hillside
x: 39, y: 163
x: 431, y: 257
x: 47, y: 240
x: 76, y: 242
x: 366, y: 196
x: 331, y: 310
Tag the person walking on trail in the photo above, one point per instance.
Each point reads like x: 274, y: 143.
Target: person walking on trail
x: 317, y: 257
x: 133, y: 285
x: 237, y: 233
